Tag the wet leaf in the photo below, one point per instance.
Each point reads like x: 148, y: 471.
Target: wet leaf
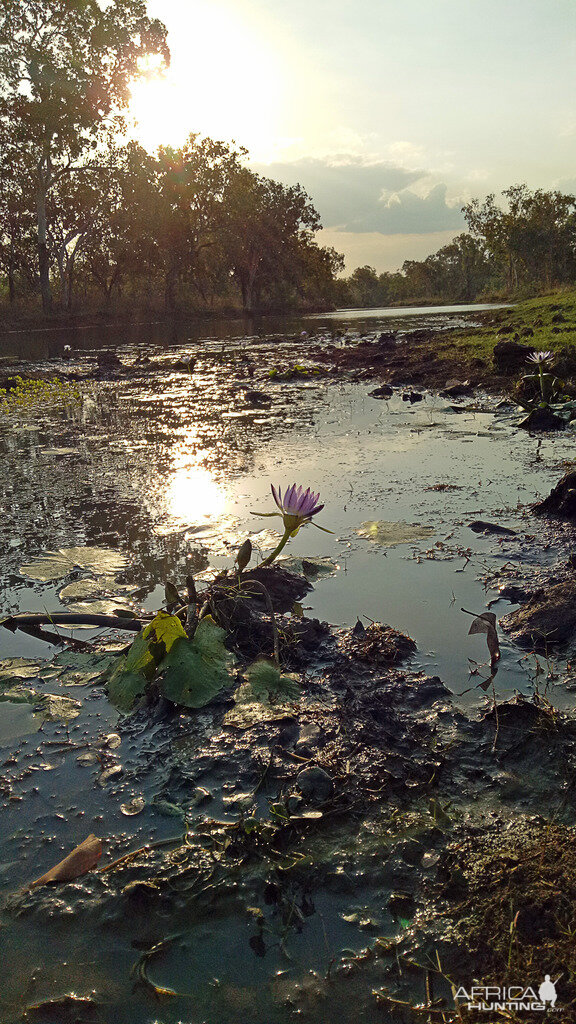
x: 57, y: 564
x: 486, y: 623
x: 12, y: 669
x: 81, y: 590
x: 133, y: 807
x: 268, y: 684
x: 106, y: 606
x: 194, y: 671
x: 249, y: 711
x: 388, y: 534
x: 109, y: 774
x: 167, y: 629
x: 81, y: 860
x: 55, y: 708
x: 168, y: 810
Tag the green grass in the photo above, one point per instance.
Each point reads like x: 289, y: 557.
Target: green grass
x: 535, y: 314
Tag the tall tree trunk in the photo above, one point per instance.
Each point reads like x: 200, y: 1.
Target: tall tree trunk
x: 11, y: 284
x: 43, y: 259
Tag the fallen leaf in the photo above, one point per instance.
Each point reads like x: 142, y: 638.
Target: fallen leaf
x: 388, y: 534
x: 486, y: 623
x: 79, y: 862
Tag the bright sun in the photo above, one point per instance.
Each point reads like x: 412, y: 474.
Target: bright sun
x: 224, y: 80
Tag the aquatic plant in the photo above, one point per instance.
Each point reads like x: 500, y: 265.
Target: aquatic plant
x: 24, y: 395
x: 297, y: 508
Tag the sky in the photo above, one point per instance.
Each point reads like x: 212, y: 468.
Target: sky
x: 390, y: 113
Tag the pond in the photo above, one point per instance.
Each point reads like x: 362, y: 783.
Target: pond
x: 170, y: 469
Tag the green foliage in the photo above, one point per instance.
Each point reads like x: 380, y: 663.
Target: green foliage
x: 31, y: 395
x: 268, y: 684
x: 196, y: 670
x: 187, y: 672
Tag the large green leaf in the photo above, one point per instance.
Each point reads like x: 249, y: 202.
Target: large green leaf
x: 194, y: 671
x: 133, y: 671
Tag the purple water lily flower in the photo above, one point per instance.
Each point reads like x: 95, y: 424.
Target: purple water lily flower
x: 297, y: 502
x: 540, y: 357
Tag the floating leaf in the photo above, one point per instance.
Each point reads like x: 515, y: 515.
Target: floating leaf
x: 82, y: 859
x: 388, y: 534
x: 81, y: 590
x: 18, y: 668
x: 57, y: 564
x: 268, y: 684
x: 194, y: 671
x: 55, y: 708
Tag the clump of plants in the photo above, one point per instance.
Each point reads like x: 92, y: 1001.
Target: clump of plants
x: 541, y: 395
x: 24, y: 395
x: 182, y: 654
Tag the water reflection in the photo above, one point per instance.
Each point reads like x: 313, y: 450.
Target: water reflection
x: 192, y: 493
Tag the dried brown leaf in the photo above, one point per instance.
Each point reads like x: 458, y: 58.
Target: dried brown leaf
x: 81, y: 860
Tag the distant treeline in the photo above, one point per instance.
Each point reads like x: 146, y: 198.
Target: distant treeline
x: 525, y: 246
x: 88, y: 220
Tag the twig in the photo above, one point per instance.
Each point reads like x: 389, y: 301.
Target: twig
x: 73, y: 619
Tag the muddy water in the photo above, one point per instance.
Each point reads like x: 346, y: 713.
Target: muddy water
x: 169, y: 468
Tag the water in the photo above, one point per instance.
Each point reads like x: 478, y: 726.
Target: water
x: 169, y: 469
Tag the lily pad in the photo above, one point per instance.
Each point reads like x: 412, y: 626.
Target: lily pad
x: 18, y: 668
x: 55, y: 708
x: 81, y: 590
x: 103, y: 607
x: 387, y: 534
x: 56, y: 565
x: 77, y: 668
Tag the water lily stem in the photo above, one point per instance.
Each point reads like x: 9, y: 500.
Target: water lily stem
x: 277, y: 550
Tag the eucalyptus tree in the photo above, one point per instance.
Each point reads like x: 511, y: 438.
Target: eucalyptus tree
x: 266, y: 227
x: 65, y: 73
x: 186, y: 218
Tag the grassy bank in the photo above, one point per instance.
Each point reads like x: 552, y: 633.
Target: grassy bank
x: 547, y: 322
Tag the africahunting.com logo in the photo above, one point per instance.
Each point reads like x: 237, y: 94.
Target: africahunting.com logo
x: 510, y: 997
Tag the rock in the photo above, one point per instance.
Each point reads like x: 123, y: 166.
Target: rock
x: 542, y: 419
x: 412, y: 396
x: 386, y: 391
x: 479, y: 526
x: 387, y: 339
x: 549, y: 616
x: 509, y: 356
x: 562, y: 499
x: 401, y: 904
x: 315, y: 785
x: 257, y: 398
x: 107, y: 359
x: 311, y: 739
x: 457, y: 388
x: 527, y: 332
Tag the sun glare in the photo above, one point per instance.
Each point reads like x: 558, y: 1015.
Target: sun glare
x: 193, y: 495
x: 225, y: 80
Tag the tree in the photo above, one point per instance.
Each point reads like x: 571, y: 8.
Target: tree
x: 65, y: 71
x: 267, y: 230
x: 533, y: 238
x: 191, y: 183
